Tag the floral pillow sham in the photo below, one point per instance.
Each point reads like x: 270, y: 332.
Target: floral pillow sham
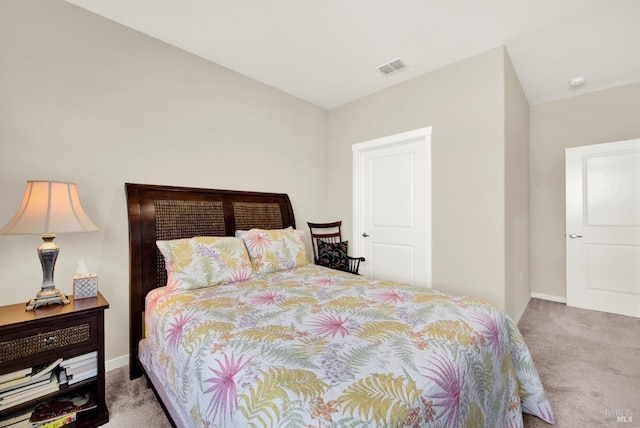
x: 205, y: 261
x: 274, y: 250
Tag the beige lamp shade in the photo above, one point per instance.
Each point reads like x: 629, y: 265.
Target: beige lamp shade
x: 49, y: 207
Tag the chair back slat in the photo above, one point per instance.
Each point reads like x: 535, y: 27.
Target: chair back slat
x: 327, y: 232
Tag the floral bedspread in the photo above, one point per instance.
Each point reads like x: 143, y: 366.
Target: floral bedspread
x: 313, y: 347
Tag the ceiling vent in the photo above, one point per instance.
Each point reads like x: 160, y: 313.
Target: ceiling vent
x: 392, y: 67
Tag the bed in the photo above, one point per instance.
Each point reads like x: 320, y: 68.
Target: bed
x: 277, y: 341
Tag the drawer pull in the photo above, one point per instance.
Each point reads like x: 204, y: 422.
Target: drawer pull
x: 49, y: 340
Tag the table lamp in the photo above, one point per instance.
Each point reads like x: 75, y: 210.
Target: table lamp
x: 47, y: 208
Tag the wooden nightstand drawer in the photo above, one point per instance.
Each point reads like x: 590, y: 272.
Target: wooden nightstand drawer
x: 36, y: 342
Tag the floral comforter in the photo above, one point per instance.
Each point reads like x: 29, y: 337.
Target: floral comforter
x: 313, y: 347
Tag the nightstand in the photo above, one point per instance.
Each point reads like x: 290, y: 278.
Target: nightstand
x: 29, y: 339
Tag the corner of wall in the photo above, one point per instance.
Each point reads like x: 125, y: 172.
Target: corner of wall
x: 516, y: 184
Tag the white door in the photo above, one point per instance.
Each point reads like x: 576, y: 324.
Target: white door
x: 603, y: 227
x: 392, y: 207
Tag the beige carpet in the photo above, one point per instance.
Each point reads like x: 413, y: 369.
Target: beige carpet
x: 131, y: 404
x: 589, y: 363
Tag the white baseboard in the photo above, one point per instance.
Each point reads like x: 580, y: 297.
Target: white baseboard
x: 549, y: 297
x: 116, y: 363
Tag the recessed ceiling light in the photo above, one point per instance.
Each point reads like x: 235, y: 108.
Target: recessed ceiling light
x: 576, y: 81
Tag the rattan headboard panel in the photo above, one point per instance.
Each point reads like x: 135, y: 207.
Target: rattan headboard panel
x: 167, y: 212
x: 250, y: 215
x: 185, y: 219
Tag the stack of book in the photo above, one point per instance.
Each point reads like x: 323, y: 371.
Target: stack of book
x: 25, y: 385
x: 54, y: 413
x: 79, y: 368
x: 17, y: 419
x: 61, y: 411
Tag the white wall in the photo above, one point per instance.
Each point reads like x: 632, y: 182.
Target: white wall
x: 597, y: 117
x: 464, y: 103
x: 86, y: 100
x: 517, y: 286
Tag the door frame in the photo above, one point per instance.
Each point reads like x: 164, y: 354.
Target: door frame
x: 359, y: 150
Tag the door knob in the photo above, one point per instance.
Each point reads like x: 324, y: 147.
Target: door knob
x: 366, y: 235
x: 572, y: 236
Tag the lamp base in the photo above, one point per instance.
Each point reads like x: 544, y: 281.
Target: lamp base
x: 48, y: 294
x: 47, y: 297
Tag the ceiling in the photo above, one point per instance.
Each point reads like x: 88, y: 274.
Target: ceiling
x: 327, y: 51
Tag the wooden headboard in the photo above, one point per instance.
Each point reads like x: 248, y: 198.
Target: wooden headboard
x: 167, y: 212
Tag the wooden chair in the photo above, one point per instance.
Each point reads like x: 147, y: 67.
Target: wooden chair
x: 330, y: 250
